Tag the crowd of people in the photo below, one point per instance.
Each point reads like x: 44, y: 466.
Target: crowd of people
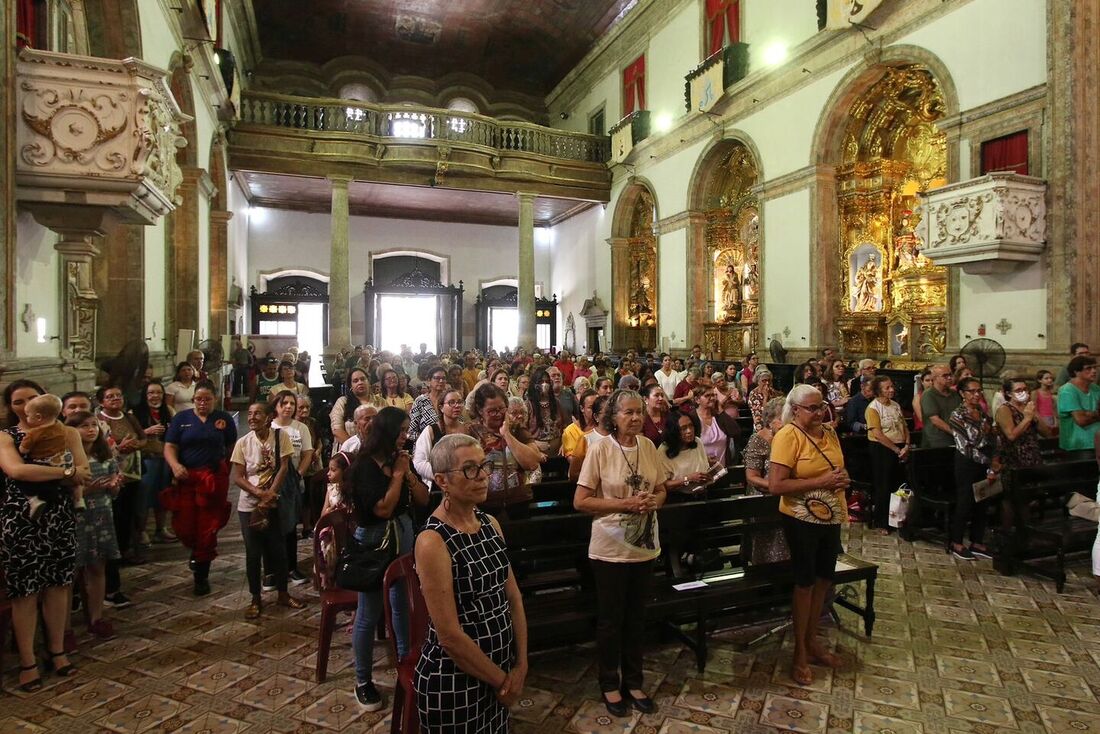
x: 85, y: 475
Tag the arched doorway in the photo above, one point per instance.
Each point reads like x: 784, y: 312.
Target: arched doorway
x: 730, y: 249
x: 634, y: 270
x: 891, y: 300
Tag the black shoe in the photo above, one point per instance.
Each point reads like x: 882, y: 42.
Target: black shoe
x: 32, y: 685
x: 64, y: 671
x: 981, y: 552
x: 368, y: 696
x: 118, y: 600
x: 202, y: 587
x: 963, y: 554
x: 77, y: 603
x: 268, y: 583
x: 191, y: 565
x: 619, y: 708
x: 644, y: 704
x: 297, y: 578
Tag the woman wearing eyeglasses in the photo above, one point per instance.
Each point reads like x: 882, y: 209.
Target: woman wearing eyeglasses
x: 474, y: 661
x: 426, y: 408
x: 889, y: 444
x: 511, y: 449
x: 622, y: 483
x: 760, y: 395
x: 383, y: 487
x: 807, y: 471
x: 975, y: 460
x: 452, y: 422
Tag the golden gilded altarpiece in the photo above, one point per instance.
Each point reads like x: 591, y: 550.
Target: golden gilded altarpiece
x: 732, y: 238
x: 641, y: 321
x: 892, y: 299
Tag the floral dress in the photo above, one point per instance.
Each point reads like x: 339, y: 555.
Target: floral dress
x: 40, y: 553
x: 768, y: 546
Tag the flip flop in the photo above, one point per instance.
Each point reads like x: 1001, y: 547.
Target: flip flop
x: 827, y: 659
x: 803, y: 675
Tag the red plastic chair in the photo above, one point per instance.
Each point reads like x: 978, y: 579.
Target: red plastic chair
x: 405, y: 718
x: 334, y: 527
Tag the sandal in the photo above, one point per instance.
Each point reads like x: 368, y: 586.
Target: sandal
x: 61, y: 672
x: 253, y: 611
x: 803, y: 675
x: 34, y: 684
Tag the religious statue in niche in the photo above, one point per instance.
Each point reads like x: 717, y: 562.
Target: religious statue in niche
x: 907, y: 245
x: 641, y: 290
x: 752, y: 281
x: 731, y: 290
x: 866, y: 279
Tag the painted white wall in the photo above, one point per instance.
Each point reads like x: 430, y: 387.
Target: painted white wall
x: 279, y: 239
x: 1019, y: 297
x: 237, y: 263
x: 673, y: 51
x: 786, y: 262
x: 37, y: 284
x: 581, y: 265
x: 155, y: 303
x: 671, y: 300
x: 992, y: 48
x: 767, y: 22
x: 671, y: 178
x: 608, y: 92
x: 157, y: 41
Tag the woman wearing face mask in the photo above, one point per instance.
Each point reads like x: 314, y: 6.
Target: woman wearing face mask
x: 341, y: 417
x: 1020, y: 427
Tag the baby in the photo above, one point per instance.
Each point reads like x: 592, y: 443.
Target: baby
x: 46, y: 443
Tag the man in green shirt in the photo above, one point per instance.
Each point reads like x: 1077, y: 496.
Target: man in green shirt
x: 936, y: 406
x: 1078, y: 399
x: 1077, y: 349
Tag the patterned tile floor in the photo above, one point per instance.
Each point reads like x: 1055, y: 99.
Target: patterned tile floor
x: 957, y: 648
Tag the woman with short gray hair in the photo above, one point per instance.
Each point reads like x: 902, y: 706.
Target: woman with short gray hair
x: 622, y: 483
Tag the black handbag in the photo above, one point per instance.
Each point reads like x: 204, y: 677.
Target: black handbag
x: 360, y: 567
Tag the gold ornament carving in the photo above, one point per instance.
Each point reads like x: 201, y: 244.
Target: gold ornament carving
x: 73, y: 125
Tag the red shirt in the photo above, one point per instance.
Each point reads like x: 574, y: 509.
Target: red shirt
x: 566, y: 368
x: 683, y: 389
x: 652, y: 431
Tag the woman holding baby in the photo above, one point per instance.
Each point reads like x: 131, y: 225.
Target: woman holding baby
x: 37, y: 556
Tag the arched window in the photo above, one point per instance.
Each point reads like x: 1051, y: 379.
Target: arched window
x: 461, y: 104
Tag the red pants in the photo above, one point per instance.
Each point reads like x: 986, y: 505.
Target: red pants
x: 199, y: 510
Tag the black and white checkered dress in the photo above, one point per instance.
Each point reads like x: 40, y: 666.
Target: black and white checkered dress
x: 449, y: 700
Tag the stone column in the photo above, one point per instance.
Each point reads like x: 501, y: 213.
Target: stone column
x: 219, y: 275
x: 824, y: 237
x: 182, y: 278
x: 339, y: 301
x: 620, y: 295
x: 119, y: 280
x: 698, y: 289
x: 526, y: 291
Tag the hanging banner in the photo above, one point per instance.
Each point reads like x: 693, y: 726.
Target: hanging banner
x: 707, y: 89
x: 843, y: 13
x: 622, y: 142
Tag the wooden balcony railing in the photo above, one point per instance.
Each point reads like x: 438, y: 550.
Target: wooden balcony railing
x: 405, y: 124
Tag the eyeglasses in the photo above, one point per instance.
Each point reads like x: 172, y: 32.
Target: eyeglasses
x: 197, y: 399
x: 972, y: 390
x: 454, y: 402
x: 494, y: 411
x: 473, y: 471
x: 441, y: 378
x: 815, y: 408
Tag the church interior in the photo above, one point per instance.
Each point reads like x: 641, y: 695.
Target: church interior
x: 891, y: 181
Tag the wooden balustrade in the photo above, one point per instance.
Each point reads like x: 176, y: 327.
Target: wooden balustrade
x: 407, y: 123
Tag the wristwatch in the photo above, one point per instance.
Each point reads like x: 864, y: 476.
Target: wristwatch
x: 70, y: 473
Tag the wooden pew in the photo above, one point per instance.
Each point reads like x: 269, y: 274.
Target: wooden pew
x: 930, y: 474
x: 549, y: 555
x: 1041, y: 531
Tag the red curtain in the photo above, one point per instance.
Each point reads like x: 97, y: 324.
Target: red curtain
x: 25, y: 23
x: 1008, y: 153
x: 634, y: 86
x: 723, y: 15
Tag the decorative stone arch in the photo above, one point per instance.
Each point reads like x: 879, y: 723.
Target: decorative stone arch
x: 266, y: 276
x: 826, y: 157
x: 444, y: 261
x: 635, y: 286
x: 700, y: 279
x: 182, y: 225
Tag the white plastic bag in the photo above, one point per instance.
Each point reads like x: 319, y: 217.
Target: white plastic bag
x: 899, y: 506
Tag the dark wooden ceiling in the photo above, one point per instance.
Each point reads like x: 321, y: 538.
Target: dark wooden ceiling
x: 516, y: 45
x: 305, y: 193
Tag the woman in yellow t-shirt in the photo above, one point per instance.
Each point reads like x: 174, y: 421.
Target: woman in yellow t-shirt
x: 807, y: 472
x: 574, y: 432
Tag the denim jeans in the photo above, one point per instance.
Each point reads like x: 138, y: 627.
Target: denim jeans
x: 156, y: 476
x: 369, y: 611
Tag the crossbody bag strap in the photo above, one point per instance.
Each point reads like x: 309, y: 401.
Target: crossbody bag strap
x: 814, y: 443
